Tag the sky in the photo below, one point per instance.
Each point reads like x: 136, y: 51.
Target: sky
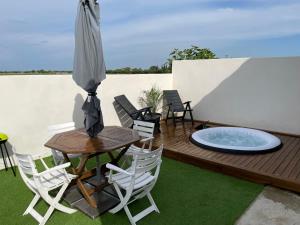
x: 39, y: 34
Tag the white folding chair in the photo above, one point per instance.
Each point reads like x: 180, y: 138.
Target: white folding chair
x: 56, y: 129
x: 137, y: 181
x: 145, y: 131
x: 41, y: 183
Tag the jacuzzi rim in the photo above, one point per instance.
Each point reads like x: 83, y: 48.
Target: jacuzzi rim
x: 236, y: 151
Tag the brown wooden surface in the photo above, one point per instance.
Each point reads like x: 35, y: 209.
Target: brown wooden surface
x: 280, y: 168
x: 78, y: 141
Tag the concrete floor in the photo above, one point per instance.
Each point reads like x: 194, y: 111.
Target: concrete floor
x: 273, y: 207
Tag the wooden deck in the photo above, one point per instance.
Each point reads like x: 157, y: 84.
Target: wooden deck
x: 280, y: 168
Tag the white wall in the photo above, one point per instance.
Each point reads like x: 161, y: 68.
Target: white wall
x: 30, y: 103
x: 260, y: 93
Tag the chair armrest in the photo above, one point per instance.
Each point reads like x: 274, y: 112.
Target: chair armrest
x: 136, y: 114
x: 117, y: 169
x: 146, y: 109
x: 60, y: 167
x: 146, y: 139
x: 187, y: 102
x: 40, y: 156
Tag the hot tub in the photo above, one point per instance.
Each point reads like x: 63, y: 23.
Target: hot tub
x: 236, y: 140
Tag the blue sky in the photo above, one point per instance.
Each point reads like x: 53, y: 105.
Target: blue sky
x: 38, y: 34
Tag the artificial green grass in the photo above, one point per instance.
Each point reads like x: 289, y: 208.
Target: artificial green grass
x: 185, y: 195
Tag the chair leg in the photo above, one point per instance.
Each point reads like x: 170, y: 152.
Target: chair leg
x: 142, y: 214
x: 55, y: 201
x: 174, y: 120
x: 191, y: 114
x: 121, y: 204
x: 167, y: 115
x: 54, y: 204
x: 128, y: 213
x: 4, y: 160
x: 157, y: 126
x: 11, y: 166
x: 183, y: 116
x: 32, y: 204
x: 145, y: 212
x: 151, y: 200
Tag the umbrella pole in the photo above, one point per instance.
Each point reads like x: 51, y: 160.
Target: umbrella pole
x: 98, y: 171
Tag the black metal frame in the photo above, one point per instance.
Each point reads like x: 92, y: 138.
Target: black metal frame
x: 140, y: 114
x: 2, y: 142
x: 187, y: 109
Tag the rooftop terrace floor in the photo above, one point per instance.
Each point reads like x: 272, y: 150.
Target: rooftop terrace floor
x: 280, y: 168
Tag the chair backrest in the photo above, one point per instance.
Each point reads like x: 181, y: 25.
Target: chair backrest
x: 27, y: 169
x: 125, y: 119
x: 172, y: 97
x: 59, y: 128
x: 123, y: 101
x: 26, y: 164
x: 144, y: 129
x: 146, y: 162
x: 56, y: 129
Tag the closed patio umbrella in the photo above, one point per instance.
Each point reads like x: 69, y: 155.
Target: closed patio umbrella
x: 89, y: 66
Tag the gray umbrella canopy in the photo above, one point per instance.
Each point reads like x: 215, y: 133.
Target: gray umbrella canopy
x: 89, y: 66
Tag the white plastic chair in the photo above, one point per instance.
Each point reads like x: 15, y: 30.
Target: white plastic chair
x: 41, y: 183
x: 145, y: 131
x: 56, y: 129
x: 137, y: 181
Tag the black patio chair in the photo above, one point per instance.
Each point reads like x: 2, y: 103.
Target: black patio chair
x: 175, y: 105
x: 144, y: 114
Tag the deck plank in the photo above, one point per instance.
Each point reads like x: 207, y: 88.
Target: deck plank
x: 280, y: 168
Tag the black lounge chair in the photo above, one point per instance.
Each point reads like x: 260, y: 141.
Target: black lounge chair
x: 144, y: 114
x: 175, y: 105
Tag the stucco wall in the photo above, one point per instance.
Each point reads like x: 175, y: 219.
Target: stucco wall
x: 260, y: 93
x: 30, y: 103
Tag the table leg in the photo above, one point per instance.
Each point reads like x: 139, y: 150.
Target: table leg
x: 4, y: 160
x: 98, y: 173
x: 114, y: 161
x: 87, y: 192
x: 11, y: 165
x: 117, y: 159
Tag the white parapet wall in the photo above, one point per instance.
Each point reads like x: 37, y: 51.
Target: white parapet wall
x: 254, y: 92
x: 262, y: 93
x: 30, y: 103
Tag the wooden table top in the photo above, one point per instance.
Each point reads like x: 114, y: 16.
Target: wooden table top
x: 78, y: 141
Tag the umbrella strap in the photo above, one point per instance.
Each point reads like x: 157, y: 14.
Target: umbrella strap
x: 84, y: 2
x: 92, y: 93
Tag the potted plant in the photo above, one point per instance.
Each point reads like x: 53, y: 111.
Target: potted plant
x: 151, y: 98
